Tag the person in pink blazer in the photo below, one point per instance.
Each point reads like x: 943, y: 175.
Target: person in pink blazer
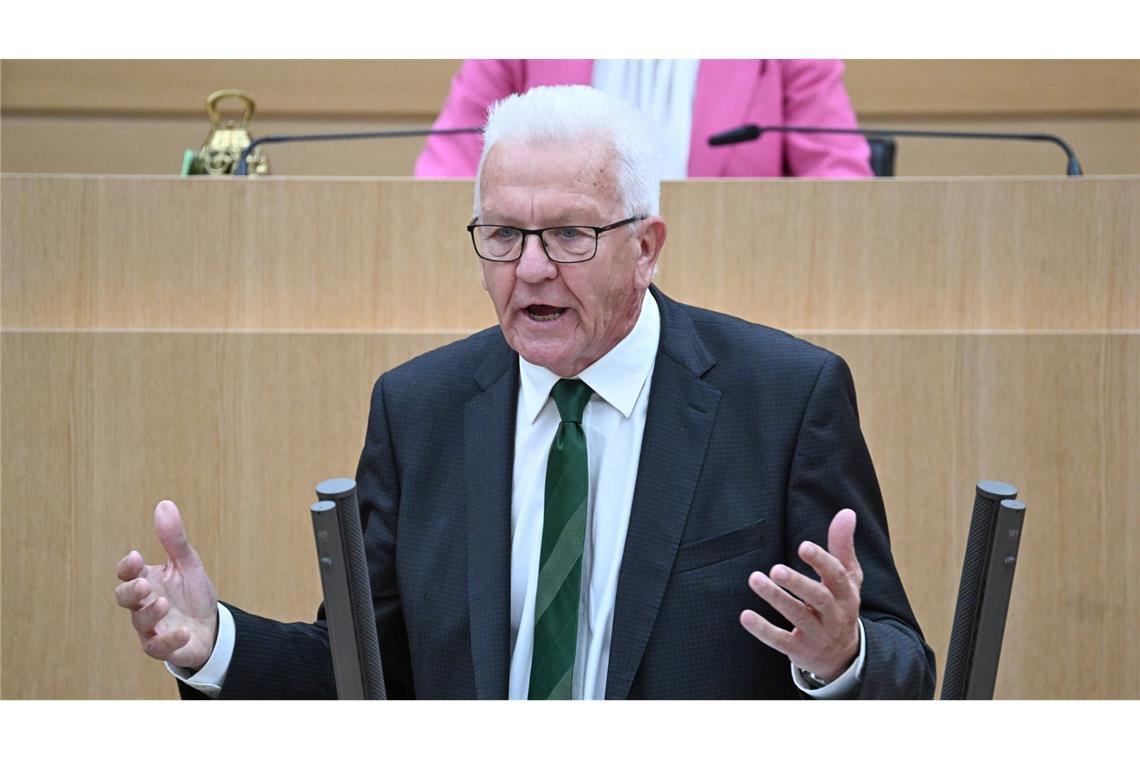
x: 729, y: 93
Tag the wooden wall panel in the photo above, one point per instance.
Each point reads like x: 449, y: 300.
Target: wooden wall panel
x: 407, y: 88
x: 154, y: 145
x: 1059, y: 417
x: 952, y: 87
x: 168, y: 338
x: 357, y: 254
x: 998, y: 254
x: 417, y: 88
x: 331, y: 255
x: 99, y: 427
x: 237, y: 427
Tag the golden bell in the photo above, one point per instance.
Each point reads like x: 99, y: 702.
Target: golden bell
x: 225, y: 143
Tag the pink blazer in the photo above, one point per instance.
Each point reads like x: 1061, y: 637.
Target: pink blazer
x: 729, y: 93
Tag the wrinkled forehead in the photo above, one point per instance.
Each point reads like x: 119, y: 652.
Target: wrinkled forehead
x: 581, y: 172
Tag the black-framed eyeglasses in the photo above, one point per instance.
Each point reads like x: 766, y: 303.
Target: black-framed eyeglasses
x: 563, y: 245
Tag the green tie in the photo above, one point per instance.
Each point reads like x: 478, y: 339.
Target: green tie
x: 563, y: 535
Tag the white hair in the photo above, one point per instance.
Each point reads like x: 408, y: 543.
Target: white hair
x: 569, y: 113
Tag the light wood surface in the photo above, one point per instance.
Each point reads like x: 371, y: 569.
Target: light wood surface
x: 1057, y: 415
x: 943, y: 254
x: 98, y: 428
x: 62, y: 144
x: 237, y: 428
x: 953, y: 87
x: 279, y: 87
x: 369, y: 254
x: 417, y: 88
x: 278, y: 254
x: 215, y: 342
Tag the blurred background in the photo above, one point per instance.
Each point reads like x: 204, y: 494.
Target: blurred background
x: 137, y: 117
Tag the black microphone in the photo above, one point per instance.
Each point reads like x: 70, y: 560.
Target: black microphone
x: 242, y: 170
x: 754, y: 131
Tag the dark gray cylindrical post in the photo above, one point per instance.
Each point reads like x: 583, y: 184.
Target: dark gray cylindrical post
x: 971, y: 589
x: 348, y: 593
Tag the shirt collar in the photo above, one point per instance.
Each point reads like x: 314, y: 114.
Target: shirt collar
x: 617, y: 377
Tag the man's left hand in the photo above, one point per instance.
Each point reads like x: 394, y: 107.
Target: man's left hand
x: 825, y: 613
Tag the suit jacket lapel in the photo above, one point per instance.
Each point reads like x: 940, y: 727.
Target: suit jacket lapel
x: 714, y: 110
x: 489, y: 439
x: 682, y: 408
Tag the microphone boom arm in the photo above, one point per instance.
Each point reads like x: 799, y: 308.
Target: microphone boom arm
x: 242, y: 169
x: 754, y: 131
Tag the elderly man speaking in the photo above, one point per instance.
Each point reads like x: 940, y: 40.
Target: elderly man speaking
x: 608, y: 495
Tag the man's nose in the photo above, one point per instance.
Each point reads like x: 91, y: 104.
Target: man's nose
x: 534, y: 265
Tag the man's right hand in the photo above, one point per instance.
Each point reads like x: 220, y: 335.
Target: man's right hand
x: 173, y: 606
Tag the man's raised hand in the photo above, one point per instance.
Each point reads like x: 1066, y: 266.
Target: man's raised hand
x: 825, y: 613
x: 174, y: 608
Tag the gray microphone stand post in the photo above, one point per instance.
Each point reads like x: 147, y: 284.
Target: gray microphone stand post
x: 984, y: 591
x: 349, y: 612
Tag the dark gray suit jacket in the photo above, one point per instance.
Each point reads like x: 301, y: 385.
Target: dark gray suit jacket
x: 751, y: 445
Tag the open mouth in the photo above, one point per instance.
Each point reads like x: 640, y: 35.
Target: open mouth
x: 540, y: 312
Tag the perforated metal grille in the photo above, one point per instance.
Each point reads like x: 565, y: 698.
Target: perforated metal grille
x: 348, y: 514
x: 960, y: 653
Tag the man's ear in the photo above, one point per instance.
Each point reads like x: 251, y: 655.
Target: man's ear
x: 650, y: 243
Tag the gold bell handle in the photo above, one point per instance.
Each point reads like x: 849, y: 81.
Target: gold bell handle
x: 217, y: 97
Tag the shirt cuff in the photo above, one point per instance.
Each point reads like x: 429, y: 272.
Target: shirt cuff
x: 210, y: 678
x: 845, y: 684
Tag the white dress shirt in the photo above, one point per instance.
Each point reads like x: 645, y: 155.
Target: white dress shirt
x: 664, y: 91
x: 614, y: 423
